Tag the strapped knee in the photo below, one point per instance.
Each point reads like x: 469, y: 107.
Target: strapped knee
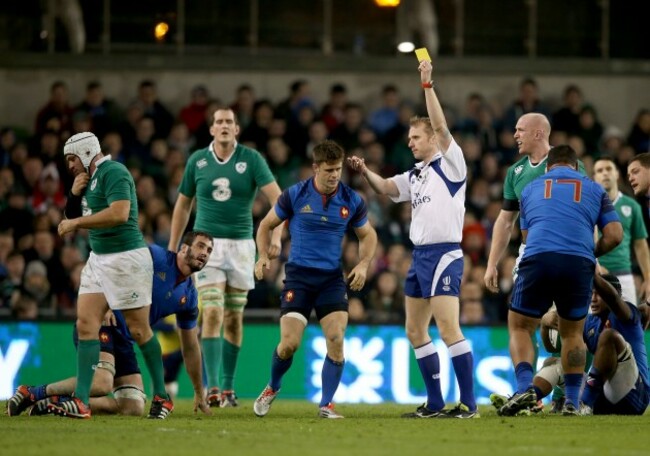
x: 106, y: 365
x: 236, y: 301
x: 129, y: 392
x: 210, y: 296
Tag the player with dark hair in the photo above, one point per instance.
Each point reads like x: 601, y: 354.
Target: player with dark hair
x: 319, y: 210
x: 617, y: 382
x: 619, y: 261
x: 117, y: 370
x: 224, y: 178
x: 558, y: 213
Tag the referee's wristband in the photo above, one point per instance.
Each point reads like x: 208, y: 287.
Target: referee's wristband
x: 427, y: 85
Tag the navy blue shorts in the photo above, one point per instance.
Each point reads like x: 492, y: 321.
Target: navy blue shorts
x: 114, y: 342
x: 305, y: 289
x: 436, y: 269
x: 634, y: 403
x: 548, y: 278
x: 172, y: 364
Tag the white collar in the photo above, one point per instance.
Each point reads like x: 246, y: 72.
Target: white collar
x: 214, y: 154
x: 105, y: 158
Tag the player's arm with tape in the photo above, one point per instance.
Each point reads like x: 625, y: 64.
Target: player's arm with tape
x: 73, y: 202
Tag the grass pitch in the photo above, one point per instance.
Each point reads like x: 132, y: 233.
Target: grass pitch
x: 293, y: 428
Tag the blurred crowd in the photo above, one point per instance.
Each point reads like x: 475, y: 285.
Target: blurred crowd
x: 39, y: 271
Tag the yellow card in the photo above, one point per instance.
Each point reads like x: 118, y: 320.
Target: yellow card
x: 422, y: 54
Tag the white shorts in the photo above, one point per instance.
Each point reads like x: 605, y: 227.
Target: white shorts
x: 629, y: 290
x: 124, y: 278
x: 624, y: 379
x: 232, y: 261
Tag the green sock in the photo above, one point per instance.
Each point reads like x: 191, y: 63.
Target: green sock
x: 230, y: 355
x: 87, y: 358
x: 211, y: 347
x: 153, y: 357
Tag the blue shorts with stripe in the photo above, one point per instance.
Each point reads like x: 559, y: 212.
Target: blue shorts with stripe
x: 437, y: 269
x: 115, y: 343
x: 306, y: 288
x: 547, y: 278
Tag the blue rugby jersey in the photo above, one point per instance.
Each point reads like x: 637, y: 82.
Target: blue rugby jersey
x: 631, y: 330
x: 168, y: 297
x: 560, y: 210
x: 318, y: 222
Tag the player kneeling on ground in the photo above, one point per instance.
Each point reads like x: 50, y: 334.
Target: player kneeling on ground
x: 117, y: 370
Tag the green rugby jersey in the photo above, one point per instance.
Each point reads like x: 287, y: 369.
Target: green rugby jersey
x: 618, y: 261
x: 521, y: 174
x: 112, y: 182
x: 225, y: 191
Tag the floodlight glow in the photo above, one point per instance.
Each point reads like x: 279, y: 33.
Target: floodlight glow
x: 161, y: 30
x: 406, y: 47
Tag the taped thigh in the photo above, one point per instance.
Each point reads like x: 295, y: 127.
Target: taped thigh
x: 236, y: 301
x: 110, y: 367
x: 211, y: 296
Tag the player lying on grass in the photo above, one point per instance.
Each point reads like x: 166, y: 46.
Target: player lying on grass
x: 617, y: 382
x: 117, y: 370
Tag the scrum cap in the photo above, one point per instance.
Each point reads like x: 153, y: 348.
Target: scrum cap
x: 84, y: 145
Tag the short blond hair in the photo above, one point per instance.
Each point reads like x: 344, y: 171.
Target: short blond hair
x: 425, y: 122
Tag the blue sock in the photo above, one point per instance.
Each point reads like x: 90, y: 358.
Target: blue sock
x: 593, y: 387
x: 429, y: 364
x: 279, y: 367
x: 539, y: 393
x: 38, y: 392
x: 572, y: 384
x: 461, y: 357
x: 331, y: 377
x: 524, y: 374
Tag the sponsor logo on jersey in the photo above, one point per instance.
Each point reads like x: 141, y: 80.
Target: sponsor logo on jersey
x: 345, y: 212
x: 323, y: 218
x: 93, y: 184
x: 306, y: 209
x: 240, y: 167
x: 183, y: 301
x: 103, y: 337
x: 162, y: 275
x: 202, y: 163
x: 288, y: 296
x: 519, y: 169
x: 446, y: 280
x: 418, y: 199
x: 626, y: 210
